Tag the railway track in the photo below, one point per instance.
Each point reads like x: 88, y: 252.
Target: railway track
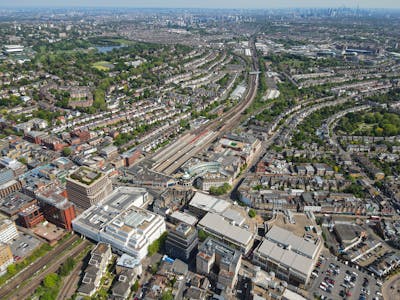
x: 29, y: 288
x: 169, y: 159
x: 30, y: 271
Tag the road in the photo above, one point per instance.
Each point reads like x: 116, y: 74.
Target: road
x: 28, y: 289
x: 391, y: 287
x: 29, y: 271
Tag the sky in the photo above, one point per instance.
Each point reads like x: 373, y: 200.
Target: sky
x: 203, y: 3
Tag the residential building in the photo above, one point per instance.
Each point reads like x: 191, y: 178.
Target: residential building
x: 384, y: 265
x: 86, y: 187
x: 99, y: 259
x: 127, y: 270
x: 6, y: 258
x: 182, y: 242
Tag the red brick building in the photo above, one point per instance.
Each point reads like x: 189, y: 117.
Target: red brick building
x: 30, y: 216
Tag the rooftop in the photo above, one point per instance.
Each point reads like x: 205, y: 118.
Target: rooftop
x: 184, y: 217
x: 86, y: 175
x: 297, y: 244
x: 128, y: 261
x: 209, y: 203
x: 12, y: 203
x: 219, y: 226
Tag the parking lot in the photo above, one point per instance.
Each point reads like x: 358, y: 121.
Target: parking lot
x: 24, y: 245
x: 336, y: 280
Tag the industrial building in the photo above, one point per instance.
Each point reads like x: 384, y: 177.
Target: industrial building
x: 290, y: 257
x: 120, y: 222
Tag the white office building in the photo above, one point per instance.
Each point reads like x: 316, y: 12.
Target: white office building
x: 118, y: 222
x: 8, y: 231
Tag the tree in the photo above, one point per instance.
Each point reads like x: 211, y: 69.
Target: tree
x: 157, y: 245
x: 67, y: 266
x: 252, y: 213
x: 22, y: 160
x: 12, y: 269
x: 135, y: 286
x: 217, y: 191
x: 51, y: 281
x: 167, y: 295
x: 67, y: 151
x: 202, y: 235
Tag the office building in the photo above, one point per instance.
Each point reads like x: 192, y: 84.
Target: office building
x: 56, y: 208
x: 201, y: 204
x: 8, y: 231
x: 290, y: 257
x: 226, y: 231
x: 182, y: 242
x: 86, y: 187
x: 15, y: 202
x: 120, y: 222
x: 228, y: 260
x: 30, y: 216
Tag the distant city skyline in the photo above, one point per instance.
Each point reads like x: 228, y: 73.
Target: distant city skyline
x: 204, y: 4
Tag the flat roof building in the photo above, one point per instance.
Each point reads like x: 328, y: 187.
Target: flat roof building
x: 86, y: 187
x: 12, y: 204
x: 8, y: 231
x: 201, y: 204
x: 292, y: 258
x: 227, y: 232
x: 117, y: 221
x: 178, y: 216
x: 6, y: 258
x: 182, y: 242
x: 56, y: 208
x: 227, y: 259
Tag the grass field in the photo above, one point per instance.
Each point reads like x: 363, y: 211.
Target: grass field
x: 102, y: 66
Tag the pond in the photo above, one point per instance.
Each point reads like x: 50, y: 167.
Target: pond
x: 106, y: 49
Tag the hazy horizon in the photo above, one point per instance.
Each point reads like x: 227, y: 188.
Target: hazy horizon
x: 250, y: 4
